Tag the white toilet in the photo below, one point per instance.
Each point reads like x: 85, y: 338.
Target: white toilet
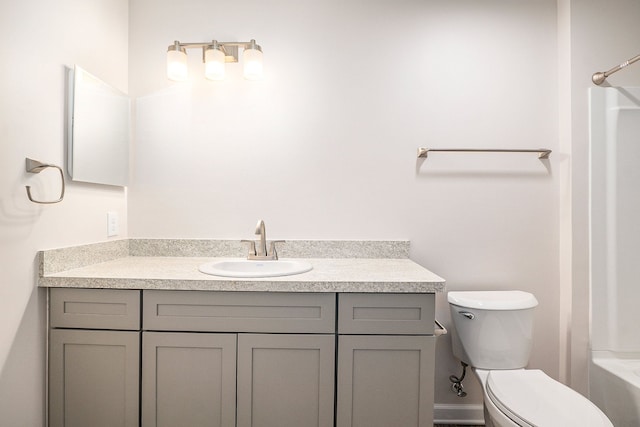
x: 492, y: 333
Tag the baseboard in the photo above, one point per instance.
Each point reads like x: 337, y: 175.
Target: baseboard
x: 458, y: 414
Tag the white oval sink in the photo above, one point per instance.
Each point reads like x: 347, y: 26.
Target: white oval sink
x: 255, y: 269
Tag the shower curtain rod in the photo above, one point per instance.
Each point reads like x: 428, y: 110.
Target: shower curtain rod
x: 599, y: 77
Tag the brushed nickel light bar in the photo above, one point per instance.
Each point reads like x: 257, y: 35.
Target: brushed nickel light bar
x: 599, y: 77
x: 214, y: 55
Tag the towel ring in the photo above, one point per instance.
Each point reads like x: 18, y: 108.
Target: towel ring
x: 34, y: 166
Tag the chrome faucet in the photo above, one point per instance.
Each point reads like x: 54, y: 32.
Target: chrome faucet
x: 261, y: 252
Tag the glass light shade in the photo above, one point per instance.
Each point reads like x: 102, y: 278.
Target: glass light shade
x: 252, y: 64
x: 177, y: 65
x: 214, y: 64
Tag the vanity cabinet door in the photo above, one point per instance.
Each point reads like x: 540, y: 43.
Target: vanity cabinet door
x: 93, y: 378
x: 188, y: 379
x: 286, y: 380
x: 385, y: 381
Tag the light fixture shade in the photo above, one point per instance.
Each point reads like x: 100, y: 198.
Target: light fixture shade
x: 214, y: 60
x: 252, y: 57
x: 214, y: 55
x: 177, y: 65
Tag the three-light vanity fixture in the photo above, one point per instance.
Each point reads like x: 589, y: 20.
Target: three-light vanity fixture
x: 214, y: 55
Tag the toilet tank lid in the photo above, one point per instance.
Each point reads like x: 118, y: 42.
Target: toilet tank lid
x: 493, y: 300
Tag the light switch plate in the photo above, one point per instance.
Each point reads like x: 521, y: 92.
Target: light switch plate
x: 113, y: 227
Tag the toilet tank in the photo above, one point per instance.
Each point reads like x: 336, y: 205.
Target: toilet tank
x: 492, y: 329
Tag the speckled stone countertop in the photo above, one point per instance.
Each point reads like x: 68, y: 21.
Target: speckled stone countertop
x: 338, y: 266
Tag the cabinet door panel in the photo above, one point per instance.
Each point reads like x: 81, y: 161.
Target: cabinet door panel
x: 385, y: 381
x: 188, y: 379
x: 93, y: 378
x: 286, y: 380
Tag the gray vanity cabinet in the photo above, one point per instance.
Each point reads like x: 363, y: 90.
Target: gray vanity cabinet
x: 94, y: 374
x: 386, y: 352
x: 245, y: 359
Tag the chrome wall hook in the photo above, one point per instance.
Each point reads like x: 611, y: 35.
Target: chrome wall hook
x: 35, y: 166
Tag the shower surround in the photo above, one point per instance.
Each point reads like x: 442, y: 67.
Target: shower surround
x: 615, y: 238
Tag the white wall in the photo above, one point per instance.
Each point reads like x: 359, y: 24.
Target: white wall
x: 41, y: 38
x: 325, y: 146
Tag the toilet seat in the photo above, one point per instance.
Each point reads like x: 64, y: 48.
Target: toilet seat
x: 530, y: 398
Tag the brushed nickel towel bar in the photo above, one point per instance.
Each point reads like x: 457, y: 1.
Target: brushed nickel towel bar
x: 543, y: 153
x: 599, y: 77
x: 34, y: 166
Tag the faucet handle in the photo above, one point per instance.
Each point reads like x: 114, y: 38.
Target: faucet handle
x: 252, y: 246
x: 272, y: 249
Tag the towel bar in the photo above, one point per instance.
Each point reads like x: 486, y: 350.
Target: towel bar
x: 34, y: 166
x: 543, y: 153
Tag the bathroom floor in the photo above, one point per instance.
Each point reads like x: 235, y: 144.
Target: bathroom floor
x: 455, y: 425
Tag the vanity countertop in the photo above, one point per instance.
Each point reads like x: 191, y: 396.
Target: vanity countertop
x: 121, y: 270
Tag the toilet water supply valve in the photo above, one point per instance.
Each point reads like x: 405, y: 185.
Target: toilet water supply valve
x: 457, y: 382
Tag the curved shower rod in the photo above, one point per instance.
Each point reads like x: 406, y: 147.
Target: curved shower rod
x: 599, y: 77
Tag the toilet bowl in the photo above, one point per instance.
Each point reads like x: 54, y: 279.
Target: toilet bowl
x: 493, y: 333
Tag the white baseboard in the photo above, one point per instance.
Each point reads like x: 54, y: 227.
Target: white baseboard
x: 458, y: 414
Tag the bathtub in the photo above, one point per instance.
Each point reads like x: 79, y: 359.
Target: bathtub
x: 614, y: 385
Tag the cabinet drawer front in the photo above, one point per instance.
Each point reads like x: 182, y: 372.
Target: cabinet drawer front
x: 95, y: 308
x: 238, y: 311
x: 397, y: 314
